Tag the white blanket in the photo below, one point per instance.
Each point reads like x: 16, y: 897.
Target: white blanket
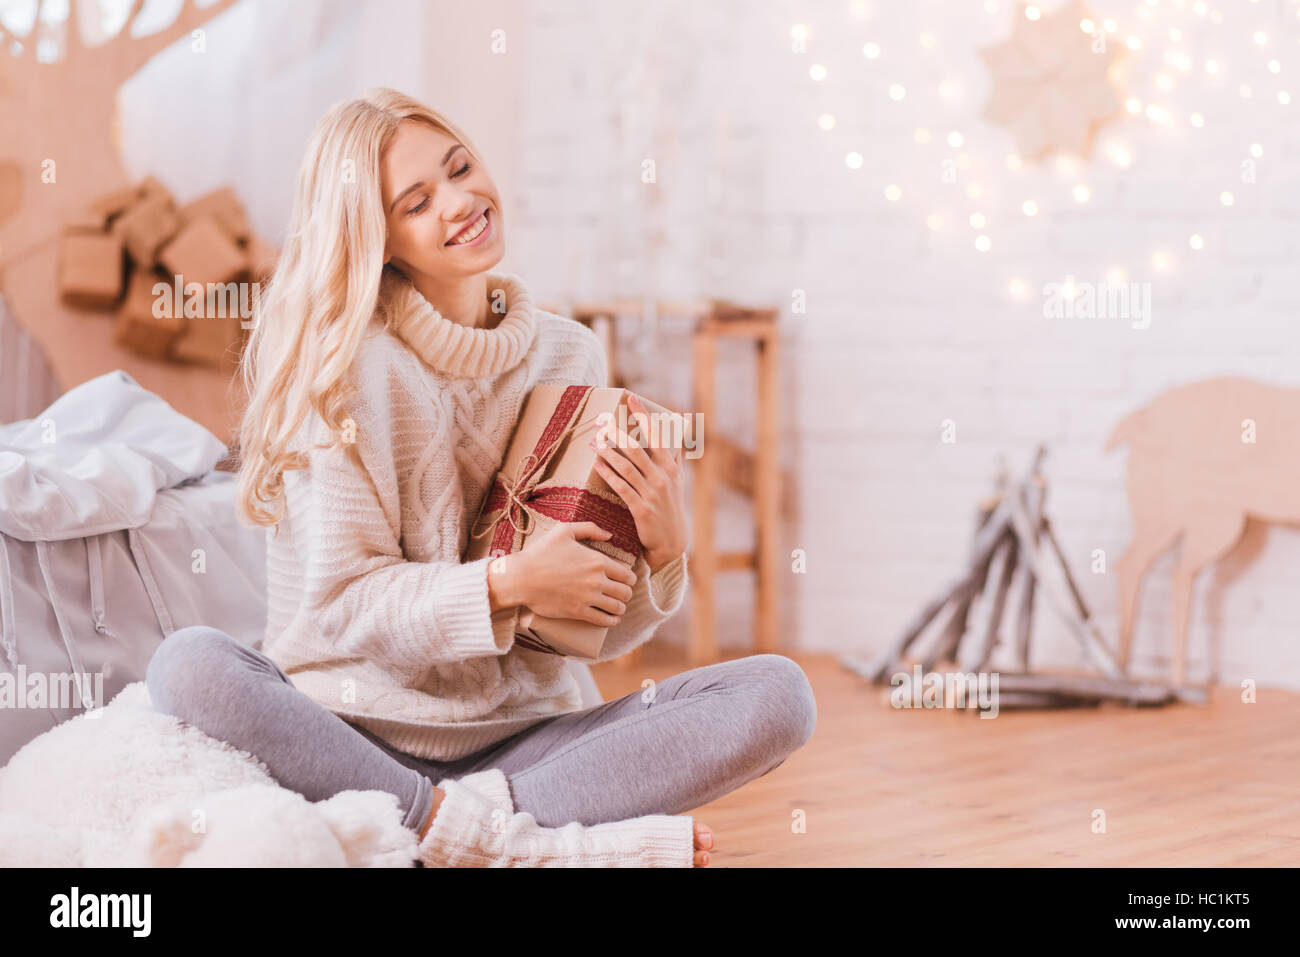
x: 126, y: 786
x: 95, y: 460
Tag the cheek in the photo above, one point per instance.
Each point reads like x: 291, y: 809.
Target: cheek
x: 487, y: 190
x: 428, y: 235
x: 417, y: 236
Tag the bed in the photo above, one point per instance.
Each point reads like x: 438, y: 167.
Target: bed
x: 117, y: 527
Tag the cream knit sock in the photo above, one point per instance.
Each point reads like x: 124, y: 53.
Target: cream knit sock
x: 477, y: 826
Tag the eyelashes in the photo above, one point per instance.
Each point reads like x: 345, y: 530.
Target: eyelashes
x: 416, y: 210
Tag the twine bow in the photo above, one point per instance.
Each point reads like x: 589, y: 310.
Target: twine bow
x: 521, y: 502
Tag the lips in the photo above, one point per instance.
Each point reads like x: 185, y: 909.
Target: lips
x: 470, y: 231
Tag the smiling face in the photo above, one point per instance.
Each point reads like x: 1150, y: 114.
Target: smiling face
x: 443, y: 210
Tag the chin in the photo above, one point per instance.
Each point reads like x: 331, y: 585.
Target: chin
x: 491, y: 256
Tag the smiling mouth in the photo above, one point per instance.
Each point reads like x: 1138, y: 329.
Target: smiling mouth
x: 470, y: 232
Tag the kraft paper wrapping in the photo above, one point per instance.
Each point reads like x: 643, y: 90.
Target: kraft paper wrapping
x: 550, y: 470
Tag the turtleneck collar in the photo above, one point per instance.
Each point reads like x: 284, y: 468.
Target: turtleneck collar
x: 466, y: 351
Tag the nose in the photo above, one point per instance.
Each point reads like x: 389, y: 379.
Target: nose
x: 458, y: 204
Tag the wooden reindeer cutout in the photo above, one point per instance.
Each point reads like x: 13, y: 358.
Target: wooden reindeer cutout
x: 1204, y: 458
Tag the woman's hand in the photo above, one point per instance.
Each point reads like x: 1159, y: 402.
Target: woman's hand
x: 651, y: 483
x: 558, y: 577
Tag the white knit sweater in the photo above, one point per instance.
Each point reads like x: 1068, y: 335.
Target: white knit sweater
x: 370, y: 611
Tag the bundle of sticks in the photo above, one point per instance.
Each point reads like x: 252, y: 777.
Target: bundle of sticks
x: 1014, y: 540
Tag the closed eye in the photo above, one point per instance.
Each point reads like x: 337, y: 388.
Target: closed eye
x: 416, y: 210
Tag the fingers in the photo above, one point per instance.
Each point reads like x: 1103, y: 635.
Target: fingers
x: 619, y: 572
x: 634, y: 449
x: 621, y: 461
x: 598, y: 617
x: 615, y: 440
x: 615, y: 591
x: 618, y: 591
x: 586, y: 530
x: 618, y: 485
x: 660, y: 452
x: 608, y: 603
x: 645, y: 474
x: 611, y: 581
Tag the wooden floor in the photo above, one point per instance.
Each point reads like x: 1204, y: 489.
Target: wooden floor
x: 1183, y: 785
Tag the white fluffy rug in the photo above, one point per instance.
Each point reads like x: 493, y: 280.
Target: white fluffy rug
x: 126, y: 786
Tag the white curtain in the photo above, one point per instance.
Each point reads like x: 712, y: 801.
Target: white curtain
x: 240, y: 113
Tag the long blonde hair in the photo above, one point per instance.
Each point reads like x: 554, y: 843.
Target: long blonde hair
x: 329, y: 283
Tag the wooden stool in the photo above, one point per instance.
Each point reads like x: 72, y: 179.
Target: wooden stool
x: 755, y: 475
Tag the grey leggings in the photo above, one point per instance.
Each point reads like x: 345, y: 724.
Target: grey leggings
x: 706, y: 732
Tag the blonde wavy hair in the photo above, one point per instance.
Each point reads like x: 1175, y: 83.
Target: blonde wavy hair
x: 329, y: 283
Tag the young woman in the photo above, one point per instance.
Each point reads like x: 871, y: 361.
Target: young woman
x: 386, y: 370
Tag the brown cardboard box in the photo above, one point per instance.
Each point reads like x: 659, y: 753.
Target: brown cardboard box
x: 86, y: 222
x: 145, y: 227
x: 202, y: 252
x: 223, y: 206
x: 137, y: 327
x: 211, y: 339
x: 113, y: 204
x: 553, y: 430
x: 91, y: 270
x: 150, y: 187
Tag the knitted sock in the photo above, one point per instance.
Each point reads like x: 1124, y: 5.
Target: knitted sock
x: 477, y: 826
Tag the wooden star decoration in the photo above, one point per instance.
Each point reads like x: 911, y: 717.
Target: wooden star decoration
x: 1051, y: 82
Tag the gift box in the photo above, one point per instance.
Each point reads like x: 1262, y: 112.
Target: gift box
x: 146, y: 226
x: 549, y: 476
x: 202, y: 252
x: 137, y: 327
x: 107, y: 207
x: 223, y: 206
x: 91, y: 270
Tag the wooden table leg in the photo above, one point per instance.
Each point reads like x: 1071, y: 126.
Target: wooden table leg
x: 703, y: 560
x: 767, y: 496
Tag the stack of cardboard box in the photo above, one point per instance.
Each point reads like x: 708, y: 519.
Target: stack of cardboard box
x: 132, y: 239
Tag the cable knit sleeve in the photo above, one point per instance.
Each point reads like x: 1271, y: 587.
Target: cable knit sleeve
x: 655, y: 598
x: 363, y: 596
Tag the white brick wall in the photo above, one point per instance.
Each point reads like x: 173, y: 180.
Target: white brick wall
x: 906, y: 327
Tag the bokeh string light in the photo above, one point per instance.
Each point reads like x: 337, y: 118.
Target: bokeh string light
x: 1165, y: 55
